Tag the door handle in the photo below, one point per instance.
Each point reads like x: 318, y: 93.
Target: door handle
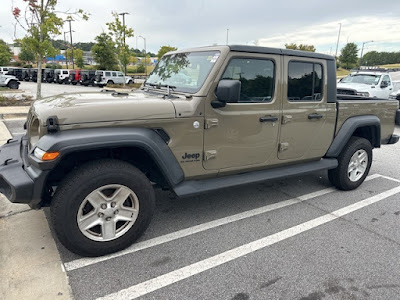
x: 315, y: 116
x: 268, y: 119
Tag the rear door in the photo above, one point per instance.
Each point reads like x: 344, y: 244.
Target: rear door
x: 308, y: 121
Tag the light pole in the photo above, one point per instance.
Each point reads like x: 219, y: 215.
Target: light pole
x: 123, y: 24
x: 145, y: 55
x: 65, y: 44
x: 72, y: 47
x: 337, y: 44
x: 227, y: 35
x: 362, y: 49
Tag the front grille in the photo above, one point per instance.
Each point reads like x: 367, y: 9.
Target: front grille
x: 346, y: 92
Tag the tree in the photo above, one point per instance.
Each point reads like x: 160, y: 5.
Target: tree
x: 5, y: 53
x: 302, y: 47
x: 103, y: 52
x: 348, y: 55
x: 119, y: 32
x: 41, y: 23
x: 26, y: 56
x: 165, y: 49
x: 78, y: 56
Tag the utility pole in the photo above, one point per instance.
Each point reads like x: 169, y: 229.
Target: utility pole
x: 227, y: 35
x: 337, y: 44
x: 65, y: 44
x: 72, y: 47
x: 123, y: 23
x: 145, y: 55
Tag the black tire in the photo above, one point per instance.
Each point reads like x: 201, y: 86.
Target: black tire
x: 130, y: 82
x: 110, y: 82
x: 13, y: 85
x: 340, y: 177
x: 71, y: 193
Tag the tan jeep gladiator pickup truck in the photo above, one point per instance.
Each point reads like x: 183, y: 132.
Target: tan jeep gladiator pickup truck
x: 205, y: 119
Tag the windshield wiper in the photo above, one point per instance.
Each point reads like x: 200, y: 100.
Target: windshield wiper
x: 159, y: 86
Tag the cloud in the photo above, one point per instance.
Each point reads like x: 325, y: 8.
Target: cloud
x: 383, y: 31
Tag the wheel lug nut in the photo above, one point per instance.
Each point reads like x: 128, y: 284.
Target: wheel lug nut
x: 100, y: 215
x: 104, y: 206
x: 108, y: 219
x: 116, y: 212
x: 113, y: 204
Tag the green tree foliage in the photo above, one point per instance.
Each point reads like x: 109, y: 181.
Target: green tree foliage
x: 104, y: 53
x: 141, y: 53
x: 26, y: 55
x: 117, y: 31
x: 165, y: 49
x: 348, y: 56
x: 78, y: 56
x: 375, y: 58
x: 84, y: 46
x: 302, y: 47
x: 5, y: 54
x: 41, y: 22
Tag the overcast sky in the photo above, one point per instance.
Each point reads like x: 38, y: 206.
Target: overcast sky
x: 184, y: 23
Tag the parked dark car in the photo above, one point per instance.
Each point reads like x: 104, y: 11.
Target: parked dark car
x: 17, y: 72
x: 48, y: 75
x: 88, y: 77
x: 26, y: 74
x: 34, y: 73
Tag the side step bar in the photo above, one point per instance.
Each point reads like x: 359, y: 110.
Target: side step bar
x: 194, y: 187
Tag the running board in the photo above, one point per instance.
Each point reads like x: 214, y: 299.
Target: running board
x: 194, y: 187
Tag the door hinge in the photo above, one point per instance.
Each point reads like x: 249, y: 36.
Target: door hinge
x: 286, y: 119
x: 283, y: 147
x: 210, y: 154
x: 210, y: 123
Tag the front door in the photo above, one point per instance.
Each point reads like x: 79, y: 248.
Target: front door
x: 244, y: 134
x: 307, y: 119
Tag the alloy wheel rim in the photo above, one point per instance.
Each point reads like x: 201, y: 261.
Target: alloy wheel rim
x: 108, y: 212
x: 357, y: 165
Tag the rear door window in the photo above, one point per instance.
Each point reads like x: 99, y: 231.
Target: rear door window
x: 108, y: 74
x: 304, y: 81
x: 114, y: 74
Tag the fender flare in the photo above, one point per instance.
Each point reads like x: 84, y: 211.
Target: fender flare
x: 70, y: 141
x: 347, y: 130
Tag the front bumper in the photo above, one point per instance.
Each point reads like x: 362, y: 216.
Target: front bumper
x: 19, y: 182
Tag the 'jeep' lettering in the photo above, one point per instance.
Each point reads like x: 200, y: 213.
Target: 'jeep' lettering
x: 194, y: 156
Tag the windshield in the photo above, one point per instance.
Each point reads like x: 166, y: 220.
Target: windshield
x: 185, y: 72
x: 362, y: 78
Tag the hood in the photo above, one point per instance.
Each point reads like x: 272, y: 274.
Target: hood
x: 359, y: 87
x: 103, y: 107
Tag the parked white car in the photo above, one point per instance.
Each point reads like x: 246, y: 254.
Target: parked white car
x: 4, y: 70
x: 110, y: 77
x: 61, y: 76
x: 367, y: 84
x: 9, y: 81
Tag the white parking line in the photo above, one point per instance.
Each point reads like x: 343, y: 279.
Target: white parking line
x: 159, y: 282
x: 87, y: 261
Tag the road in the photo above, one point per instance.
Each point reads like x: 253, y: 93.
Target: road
x: 297, y: 238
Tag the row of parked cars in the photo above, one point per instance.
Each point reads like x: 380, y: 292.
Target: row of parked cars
x: 67, y: 76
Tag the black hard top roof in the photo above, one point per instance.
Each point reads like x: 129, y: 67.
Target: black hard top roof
x: 267, y: 50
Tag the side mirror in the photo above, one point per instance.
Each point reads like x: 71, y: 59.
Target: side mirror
x: 384, y: 84
x: 227, y: 91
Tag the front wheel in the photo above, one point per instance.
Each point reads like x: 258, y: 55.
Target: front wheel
x: 13, y: 85
x: 102, y: 207
x: 354, y: 164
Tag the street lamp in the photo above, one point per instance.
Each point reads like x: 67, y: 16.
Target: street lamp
x: 362, y: 49
x: 337, y: 44
x: 72, y: 47
x: 145, y: 63
x: 123, y: 23
x: 65, y: 44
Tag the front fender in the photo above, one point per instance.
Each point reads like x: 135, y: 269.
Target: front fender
x: 70, y: 141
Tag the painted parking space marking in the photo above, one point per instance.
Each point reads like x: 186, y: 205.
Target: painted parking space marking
x: 84, y: 262
x: 167, y: 279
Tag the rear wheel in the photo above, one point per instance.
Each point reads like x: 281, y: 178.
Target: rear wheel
x: 102, y: 207
x: 110, y: 82
x: 354, y: 164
